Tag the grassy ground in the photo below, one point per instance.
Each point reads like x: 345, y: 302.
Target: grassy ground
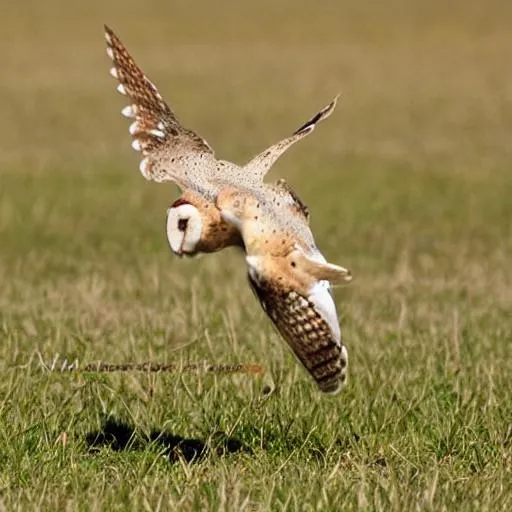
x: 409, y: 184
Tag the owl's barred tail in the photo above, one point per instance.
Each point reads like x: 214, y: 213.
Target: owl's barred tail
x: 314, y: 341
x: 329, y: 381
x: 323, y: 357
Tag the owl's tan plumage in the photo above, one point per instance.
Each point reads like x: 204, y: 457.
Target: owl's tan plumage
x: 291, y: 279
x: 235, y: 207
x: 174, y: 153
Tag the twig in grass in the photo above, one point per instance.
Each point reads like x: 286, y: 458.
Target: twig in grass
x: 58, y: 365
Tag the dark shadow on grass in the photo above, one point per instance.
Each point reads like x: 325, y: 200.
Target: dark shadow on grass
x: 121, y: 436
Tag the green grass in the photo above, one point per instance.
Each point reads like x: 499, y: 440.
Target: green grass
x: 410, y: 187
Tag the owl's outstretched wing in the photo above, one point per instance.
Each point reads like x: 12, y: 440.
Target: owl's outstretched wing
x: 262, y: 163
x: 169, y: 149
x: 307, y: 321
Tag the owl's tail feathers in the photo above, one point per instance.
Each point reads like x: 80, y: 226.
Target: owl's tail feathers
x: 335, y: 274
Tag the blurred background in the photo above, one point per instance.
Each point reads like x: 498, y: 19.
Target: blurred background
x: 409, y: 182
x: 423, y: 84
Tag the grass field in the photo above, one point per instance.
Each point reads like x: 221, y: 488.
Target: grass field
x: 410, y: 186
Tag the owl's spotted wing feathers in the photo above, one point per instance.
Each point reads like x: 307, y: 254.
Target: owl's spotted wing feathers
x: 169, y: 149
x: 291, y: 279
x: 262, y: 163
x: 312, y: 334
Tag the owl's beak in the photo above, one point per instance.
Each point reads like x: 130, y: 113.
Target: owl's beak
x: 181, y: 253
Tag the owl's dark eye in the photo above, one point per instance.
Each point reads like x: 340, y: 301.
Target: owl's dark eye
x: 182, y: 224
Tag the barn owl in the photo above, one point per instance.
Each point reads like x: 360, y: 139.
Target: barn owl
x: 223, y: 204
x: 174, y: 153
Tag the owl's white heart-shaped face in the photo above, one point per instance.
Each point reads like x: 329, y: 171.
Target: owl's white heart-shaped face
x: 184, y: 228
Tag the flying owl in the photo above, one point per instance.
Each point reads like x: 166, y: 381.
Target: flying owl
x: 174, y: 153
x: 223, y: 204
